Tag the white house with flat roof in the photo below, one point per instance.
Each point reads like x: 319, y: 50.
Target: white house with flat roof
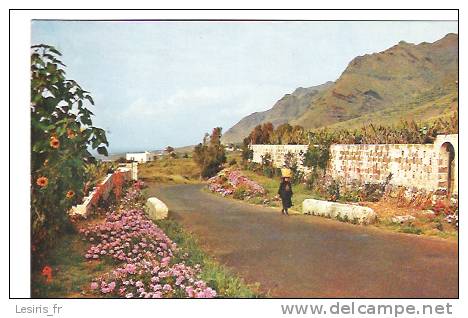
x: 139, y: 156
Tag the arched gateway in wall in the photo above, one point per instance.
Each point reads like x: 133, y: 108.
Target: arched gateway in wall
x: 447, y: 167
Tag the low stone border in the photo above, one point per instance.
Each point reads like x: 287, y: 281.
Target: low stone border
x: 341, y: 211
x: 84, y: 208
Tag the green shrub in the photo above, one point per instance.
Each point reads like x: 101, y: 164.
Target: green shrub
x: 62, y: 131
x: 411, y: 229
x: 210, y: 154
x: 240, y: 192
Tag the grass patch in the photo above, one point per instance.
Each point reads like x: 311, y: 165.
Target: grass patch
x: 411, y: 229
x: 426, y: 227
x: 271, y: 185
x: 216, y: 275
x: 71, y: 273
x: 170, y: 170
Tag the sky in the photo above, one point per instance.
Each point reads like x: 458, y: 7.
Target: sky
x: 160, y: 83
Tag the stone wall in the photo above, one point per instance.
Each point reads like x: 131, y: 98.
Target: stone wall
x: 420, y: 166
x: 86, y: 206
x: 278, y: 152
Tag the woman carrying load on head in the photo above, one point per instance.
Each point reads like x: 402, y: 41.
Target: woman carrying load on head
x: 285, y: 190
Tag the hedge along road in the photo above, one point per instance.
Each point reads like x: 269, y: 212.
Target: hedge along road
x: 308, y: 256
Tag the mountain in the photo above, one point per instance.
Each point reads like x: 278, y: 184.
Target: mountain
x: 288, y: 108
x: 406, y: 81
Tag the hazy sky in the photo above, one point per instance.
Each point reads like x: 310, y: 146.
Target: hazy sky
x: 167, y: 83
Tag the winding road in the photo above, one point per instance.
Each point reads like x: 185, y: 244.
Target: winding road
x: 303, y: 256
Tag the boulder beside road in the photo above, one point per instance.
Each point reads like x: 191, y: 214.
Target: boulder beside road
x: 352, y: 213
x: 156, y: 209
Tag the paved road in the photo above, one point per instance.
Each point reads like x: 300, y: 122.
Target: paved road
x: 307, y: 256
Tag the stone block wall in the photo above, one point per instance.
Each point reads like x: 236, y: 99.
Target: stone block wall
x: 278, y: 152
x: 418, y: 166
x: 408, y: 165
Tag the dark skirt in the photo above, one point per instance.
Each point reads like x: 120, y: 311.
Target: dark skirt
x: 286, y: 202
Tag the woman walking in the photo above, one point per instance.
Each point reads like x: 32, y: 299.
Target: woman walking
x: 285, y: 193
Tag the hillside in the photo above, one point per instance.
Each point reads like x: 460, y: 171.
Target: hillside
x: 288, y: 108
x: 406, y: 81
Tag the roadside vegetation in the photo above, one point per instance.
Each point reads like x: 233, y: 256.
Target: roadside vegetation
x: 120, y: 238
x: 216, y: 275
x: 167, y: 169
x: 62, y: 167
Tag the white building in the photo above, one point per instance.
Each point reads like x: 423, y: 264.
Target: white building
x: 140, y: 156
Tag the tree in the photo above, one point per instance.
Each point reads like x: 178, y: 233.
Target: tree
x: 62, y: 131
x: 247, y: 153
x: 171, y: 152
x: 281, y: 135
x: 261, y: 134
x: 210, y: 154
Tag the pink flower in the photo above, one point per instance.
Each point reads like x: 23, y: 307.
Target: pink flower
x: 189, y: 291
x: 179, y: 280
x: 144, y: 250
x: 130, y: 268
x: 94, y: 285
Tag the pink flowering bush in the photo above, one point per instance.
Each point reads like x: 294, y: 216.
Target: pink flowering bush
x: 228, y: 182
x: 148, y: 264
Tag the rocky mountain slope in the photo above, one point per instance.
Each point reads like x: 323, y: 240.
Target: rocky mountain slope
x: 406, y: 81
x: 288, y: 108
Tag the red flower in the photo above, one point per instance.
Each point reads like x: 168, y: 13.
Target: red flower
x: 117, y: 182
x: 47, y: 272
x: 97, y: 195
x: 42, y: 182
x: 70, y: 133
x: 54, y: 142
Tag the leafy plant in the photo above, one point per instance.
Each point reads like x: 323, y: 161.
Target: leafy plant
x: 404, y: 132
x: 62, y: 133
x: 267, y: 166
x: 240, y: 192
x: 292, y: 162
x: 210, y: 154
x: 411, y: 229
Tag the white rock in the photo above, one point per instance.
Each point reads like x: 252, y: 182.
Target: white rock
x: 428, y: 212
x: 361, y: 214
x: 156, y: 209
x: 403, y: 219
